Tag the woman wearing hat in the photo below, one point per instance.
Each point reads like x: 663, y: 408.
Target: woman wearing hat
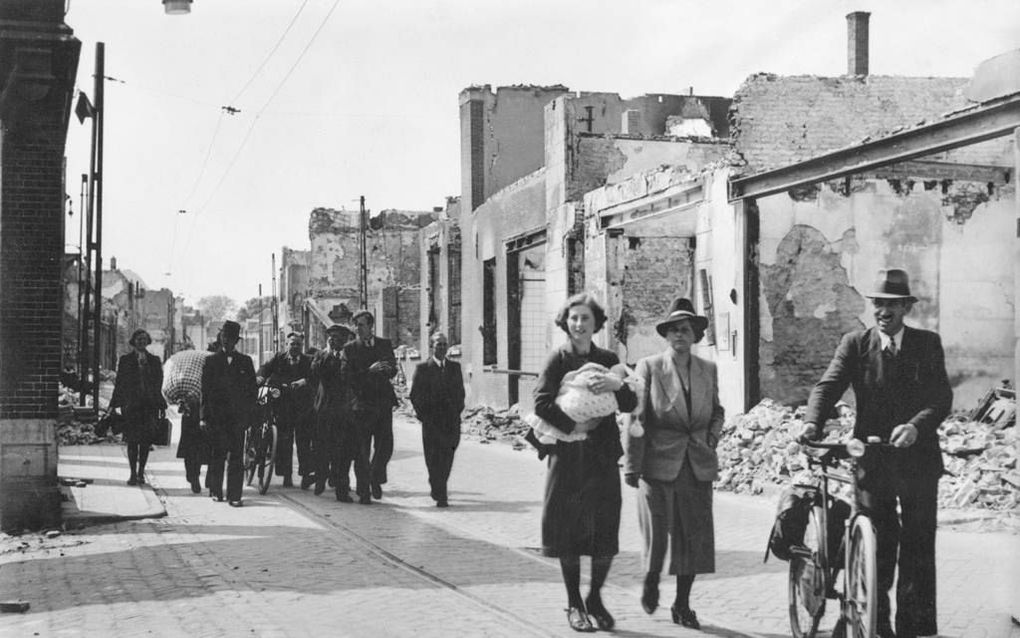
x: 137, y: 393
x: 581, y: 512
x: 674, y: 463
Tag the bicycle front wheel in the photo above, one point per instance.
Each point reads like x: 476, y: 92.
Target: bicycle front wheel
x: 806, y: 585
x: 861, y: 610
x: 249, y: 455
x: 267, y: 458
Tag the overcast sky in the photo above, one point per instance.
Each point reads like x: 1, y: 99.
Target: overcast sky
x: 360, y: 98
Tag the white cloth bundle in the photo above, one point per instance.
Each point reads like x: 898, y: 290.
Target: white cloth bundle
x: 182, y: 377
x: 583, y: 406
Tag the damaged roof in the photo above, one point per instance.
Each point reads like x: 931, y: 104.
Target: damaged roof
x: 777, y: 120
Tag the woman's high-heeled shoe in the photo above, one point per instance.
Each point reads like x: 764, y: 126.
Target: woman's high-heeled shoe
x: 650, y: 593
x: 579, y: 620
x: 598, y: 611
x: 685, y: 617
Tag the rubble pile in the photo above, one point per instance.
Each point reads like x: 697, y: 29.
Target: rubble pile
x: 488, y: 424
x: 759, y: 449
x: 76, y: 425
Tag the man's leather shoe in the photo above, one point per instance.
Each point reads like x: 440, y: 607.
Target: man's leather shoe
x: 376, y: 491
x: 236, y: 503
x: 196, y: 488
x: 344, y: 496
x: 216, y: 497
x: 307, y: 480
x: 365, y: 499
x: 320, y: 487
x: 578, y: 620
x: 442, y: 503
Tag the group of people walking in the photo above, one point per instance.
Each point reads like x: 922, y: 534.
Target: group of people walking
x: 337, y: 408
x: 899, y: 379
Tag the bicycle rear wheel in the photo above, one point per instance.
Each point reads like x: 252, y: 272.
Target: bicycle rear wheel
x: 267, y: 457
x: 861, y: 609
x: 806, y: 586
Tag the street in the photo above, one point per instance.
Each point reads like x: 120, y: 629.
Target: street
x: 293, y: 564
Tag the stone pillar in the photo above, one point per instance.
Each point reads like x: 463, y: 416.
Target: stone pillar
x: 38, y: 64
x: 1016, y: 266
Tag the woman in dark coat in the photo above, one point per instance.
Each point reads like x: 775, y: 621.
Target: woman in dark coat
x: 674, y: 463
x: 581, y: 513
x: 138, y: 395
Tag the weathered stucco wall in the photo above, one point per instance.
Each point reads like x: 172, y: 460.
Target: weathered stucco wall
x: 821, y: 249
x: 519, y: 207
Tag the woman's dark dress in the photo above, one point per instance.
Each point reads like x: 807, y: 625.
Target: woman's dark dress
x: 581, y: 513
x: 138, y: 393
x: 193, y: 445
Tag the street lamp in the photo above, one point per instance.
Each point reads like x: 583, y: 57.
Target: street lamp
x: 177, y: 7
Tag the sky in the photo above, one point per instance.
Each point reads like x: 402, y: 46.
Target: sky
x: 343, y: 98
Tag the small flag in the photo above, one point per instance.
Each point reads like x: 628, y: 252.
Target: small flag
x: 84, y: 108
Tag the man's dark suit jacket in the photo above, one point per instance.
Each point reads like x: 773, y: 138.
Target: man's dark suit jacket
x: 228, y: 393
x: 330, y: 393
x: 369, y: 389
x: 910, y: 388
x: 295, y: 404
x: 437, y: 395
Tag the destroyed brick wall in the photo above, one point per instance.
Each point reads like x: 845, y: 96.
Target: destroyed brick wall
x: 392, y: 257
x: 819, y: 254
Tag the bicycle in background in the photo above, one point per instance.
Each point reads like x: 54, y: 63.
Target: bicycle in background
x: 261, y: 438
x: 816, y: 564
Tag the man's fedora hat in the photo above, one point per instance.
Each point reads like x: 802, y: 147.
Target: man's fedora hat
x: 231, y: 329
x: 681, y: 309
x: 892, y: 283
x: 338, y: 329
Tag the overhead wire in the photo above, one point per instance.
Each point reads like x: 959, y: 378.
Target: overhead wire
x: 259, y: 113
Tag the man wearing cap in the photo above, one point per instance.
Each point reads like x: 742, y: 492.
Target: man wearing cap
x: 228, y: 406
x: 330, y: 411
x: 369, y: 364
x: 289, y: 371
x: 899, y: 379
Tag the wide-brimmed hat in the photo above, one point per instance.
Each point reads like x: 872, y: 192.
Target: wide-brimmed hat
x: 891, y: 283
x: 681, y: 309
x: 231, y: 329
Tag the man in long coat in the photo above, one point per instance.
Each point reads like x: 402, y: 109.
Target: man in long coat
x: 331, y: 423
x: 898, y: 374
x: 368, y: 366
x: 437, y: 394
x: 228, y: 407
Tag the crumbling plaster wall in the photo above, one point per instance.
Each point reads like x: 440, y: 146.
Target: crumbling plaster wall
x: 820, y: 251
x: 515, y: 209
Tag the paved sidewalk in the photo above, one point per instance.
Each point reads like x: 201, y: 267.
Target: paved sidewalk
x: 103, y: 496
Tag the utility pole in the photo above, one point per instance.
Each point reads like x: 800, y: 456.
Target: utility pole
x: 97, y: 181
x: 275, y: 310
x: 260, y: 324
x: 83, y: 276
x: 364, y: 255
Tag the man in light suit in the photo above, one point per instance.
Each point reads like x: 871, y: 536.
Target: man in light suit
x: 437, y: 394
x: 228, y: 404
x: 899, y: 378
x: 367, y: 366
x: 674, y: 462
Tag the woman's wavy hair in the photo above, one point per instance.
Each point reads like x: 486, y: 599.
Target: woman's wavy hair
x: 138, y: 333
x: 581, y: 299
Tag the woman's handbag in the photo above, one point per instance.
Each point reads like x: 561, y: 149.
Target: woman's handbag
x: 164, y: 428
x: 110, y: 423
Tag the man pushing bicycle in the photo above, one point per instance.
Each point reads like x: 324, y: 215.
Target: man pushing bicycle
x: 899, y: 379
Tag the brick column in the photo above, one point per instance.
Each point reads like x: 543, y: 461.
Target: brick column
x: 38, y: 63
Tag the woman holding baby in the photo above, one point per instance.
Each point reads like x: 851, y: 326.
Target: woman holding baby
x: 581, y: 512
x: 674, y: 463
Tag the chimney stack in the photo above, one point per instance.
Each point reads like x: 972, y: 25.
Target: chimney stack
x: 857, y: 43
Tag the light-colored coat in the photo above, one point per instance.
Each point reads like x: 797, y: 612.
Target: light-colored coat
x: 671, y: 435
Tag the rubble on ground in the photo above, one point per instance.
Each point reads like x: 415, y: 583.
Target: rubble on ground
x: 759, y: 449
x: 488, y: 424
x: 75, y: 424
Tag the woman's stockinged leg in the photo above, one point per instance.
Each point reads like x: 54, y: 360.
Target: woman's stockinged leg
x: 570, y: 566
x: 683, y: 590
x: 132, y: 451
x: 599, y: 572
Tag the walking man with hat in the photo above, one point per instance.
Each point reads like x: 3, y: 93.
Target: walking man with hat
x: 898, y: 375
x: 228, y: 406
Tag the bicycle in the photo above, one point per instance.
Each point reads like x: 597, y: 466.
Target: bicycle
x: 260, y: 439
x: 815, y: 568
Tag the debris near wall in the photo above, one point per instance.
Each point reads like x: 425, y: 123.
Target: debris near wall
x: 76, y: 425
x: 759, y: 449
x: 487, y: 424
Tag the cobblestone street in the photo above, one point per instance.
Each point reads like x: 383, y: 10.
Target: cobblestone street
x: 293, y: 564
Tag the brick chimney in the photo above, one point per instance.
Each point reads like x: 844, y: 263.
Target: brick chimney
x: 857, y: 43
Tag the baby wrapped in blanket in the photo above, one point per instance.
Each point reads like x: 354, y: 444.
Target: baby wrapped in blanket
x: 582, y: 405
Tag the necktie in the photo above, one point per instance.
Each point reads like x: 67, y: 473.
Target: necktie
x: 891, y: 348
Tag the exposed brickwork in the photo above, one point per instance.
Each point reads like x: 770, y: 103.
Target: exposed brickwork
x: 778, y: 120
